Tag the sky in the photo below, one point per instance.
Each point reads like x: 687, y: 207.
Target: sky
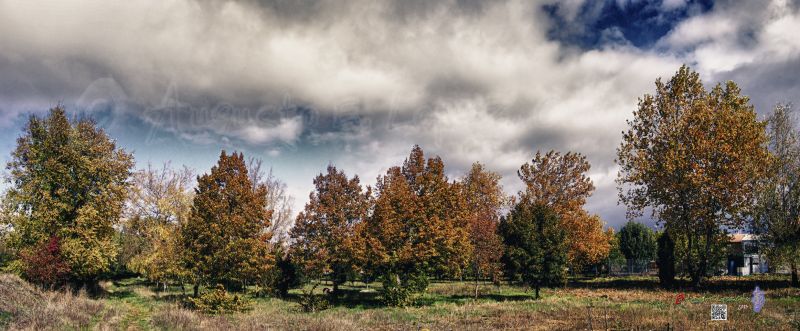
x: 307, y: 83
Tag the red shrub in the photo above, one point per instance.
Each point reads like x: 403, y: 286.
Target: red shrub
x: 44, y: 265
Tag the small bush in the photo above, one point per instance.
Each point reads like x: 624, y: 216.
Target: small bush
x: 219, y: 301
x: 397, y: 296
x: 44, y: 266
x: 313, y: 303
x: 400, y: 294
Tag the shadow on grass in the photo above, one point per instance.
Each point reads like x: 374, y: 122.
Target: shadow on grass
x: 349, y: 298
x: 713, y: 285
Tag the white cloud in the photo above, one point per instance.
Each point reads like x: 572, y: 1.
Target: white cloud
x: 481, y: 85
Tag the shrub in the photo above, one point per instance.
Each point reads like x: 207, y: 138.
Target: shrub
x: 286, y: 274
x: 219, y: 301
x: 44, y: 266
x: 397, y: 294
x: 312, y: 302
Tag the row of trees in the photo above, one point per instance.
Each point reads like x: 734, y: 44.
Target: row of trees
x: 418, y: 224
x: 699, y: 161
x: 78, y: 212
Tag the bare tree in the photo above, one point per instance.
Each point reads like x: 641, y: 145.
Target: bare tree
x: 278, y: 199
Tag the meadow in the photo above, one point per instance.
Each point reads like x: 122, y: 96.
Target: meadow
x: 631, y: 303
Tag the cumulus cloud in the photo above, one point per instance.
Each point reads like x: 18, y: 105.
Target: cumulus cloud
x: 358, y: 83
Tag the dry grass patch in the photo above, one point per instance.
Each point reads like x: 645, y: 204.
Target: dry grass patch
x: 28, y: 308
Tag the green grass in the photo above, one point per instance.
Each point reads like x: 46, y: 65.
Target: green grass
x: 626, y: 303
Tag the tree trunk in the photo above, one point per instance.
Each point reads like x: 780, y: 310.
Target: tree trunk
x: 795, y: 281
x: 537, y: 291
x: 476, y: 287
x: 701, y: 272
x: 196, y: 289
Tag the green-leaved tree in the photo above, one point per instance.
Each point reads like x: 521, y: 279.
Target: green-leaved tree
x: 68, y: 181
x: 536, y: 248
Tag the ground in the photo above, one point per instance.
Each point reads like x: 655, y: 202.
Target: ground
x: 600, y: 303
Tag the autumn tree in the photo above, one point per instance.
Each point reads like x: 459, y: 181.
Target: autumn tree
x: 159, y: 203
x: 559, y: 181
x: 397, y: 244
x: 324, y: 233
x: 225, y: 240
x: 417, y: 229
x: 693, y: 159
x: 484, y: 200
x: 68, y: 181
x: 279, y: 201
x: 638, y: 243
x: 535, y: 244
x: 443, y: 210
x: 777, y: 215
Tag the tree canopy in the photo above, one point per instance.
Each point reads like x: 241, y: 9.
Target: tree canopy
x: 225, y: 239
x: 68, y: 181
x: 693, y: 157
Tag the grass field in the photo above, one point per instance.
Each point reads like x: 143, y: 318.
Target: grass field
x: 599, y: 304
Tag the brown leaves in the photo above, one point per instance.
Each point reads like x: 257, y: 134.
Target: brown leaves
x: 324, y: 234
x: 225, y: 239
x: 560, y: 183
x: 693, y: 158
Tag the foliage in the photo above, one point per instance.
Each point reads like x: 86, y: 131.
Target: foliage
x: 160, y: 202
x: 44, y: 265
x: 666, y: 259
x: 693, y: 158
x: 484, y: 199
x: 279, y: 201
x: 560, y: 182
x: 285, y: 273
x: 68, y: 180
x: 324, y: 234
x: 311, y: 302
x: 417, y: 226
x: 615, y: 256
x: 396, y: 294
x: 225, y: 239
x: 637, y: 242
x: 535, y: 244
x: 777, y: 214
x: 219, y: 301
x: 161, y: 263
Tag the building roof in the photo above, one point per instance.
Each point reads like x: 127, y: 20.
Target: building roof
x: 739, y: 237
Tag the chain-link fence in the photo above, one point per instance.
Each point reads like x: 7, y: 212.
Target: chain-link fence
x: 631, y: 267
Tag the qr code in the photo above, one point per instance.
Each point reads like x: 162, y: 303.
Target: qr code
x: 719, y: 312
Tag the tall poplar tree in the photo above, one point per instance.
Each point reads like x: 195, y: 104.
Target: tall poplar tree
x: 225, y: 241
x: 777, y: 216
x: 69, y: 182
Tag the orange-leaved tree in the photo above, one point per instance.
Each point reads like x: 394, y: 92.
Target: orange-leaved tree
x: 225, y: 240
x: 418, y: 228
x: 324, y: 234
x: 693, y: 158
x: 559, y: 181
x: 484, y: 199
